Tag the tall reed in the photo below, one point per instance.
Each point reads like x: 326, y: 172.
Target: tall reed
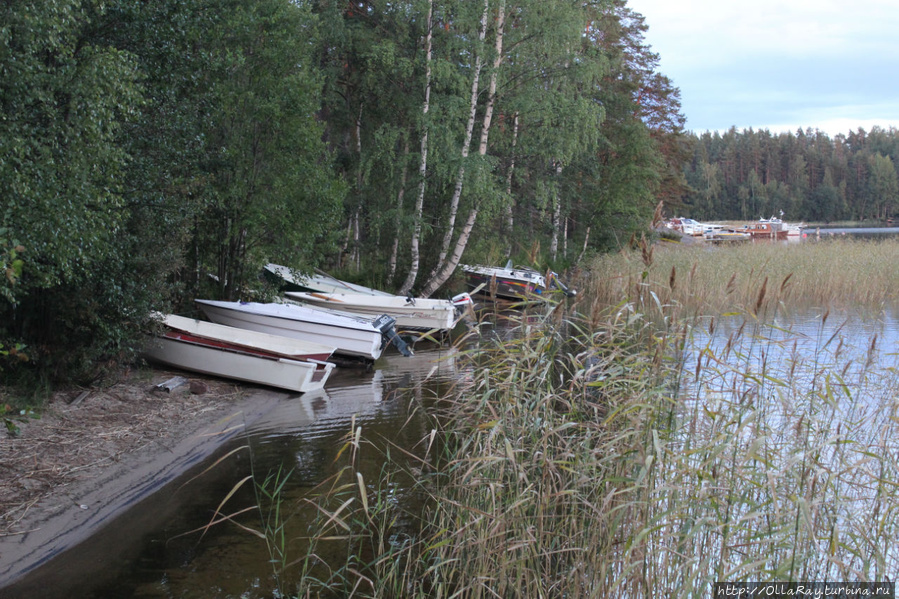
x: 839, y: 273
x: 635, y: 445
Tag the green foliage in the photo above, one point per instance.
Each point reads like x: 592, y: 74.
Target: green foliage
x: 272, y: 195
x: 153, y: 152
x: 11, y: 264
x: 806, y: 174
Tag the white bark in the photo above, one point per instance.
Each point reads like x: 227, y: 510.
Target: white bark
x: 510, y: 218
x: 469, y: 131
x: 391, y: 267
x: 423, y: 164
x: 557, y: 214
x: 450, y: 265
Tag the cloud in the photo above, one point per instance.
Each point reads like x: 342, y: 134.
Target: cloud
x: 822, y: 64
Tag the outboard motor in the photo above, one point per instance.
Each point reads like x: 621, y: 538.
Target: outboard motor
x: 556, y: 283
x: 462, y: 300
x: 385, y: 324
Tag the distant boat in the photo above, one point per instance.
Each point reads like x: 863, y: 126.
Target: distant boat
x: 792, y: 230
x: 247, y: 356
x: 728, y: 235
x: 512, y: 282
x: 352, y: 335
x: 765, y: 230
x: 688, y: 226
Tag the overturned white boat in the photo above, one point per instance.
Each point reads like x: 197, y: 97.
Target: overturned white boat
x: 319, y: 282
x: 352, y: 335
x: 242, y: 355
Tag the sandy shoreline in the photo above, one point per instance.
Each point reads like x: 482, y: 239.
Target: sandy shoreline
x: 67, y: 475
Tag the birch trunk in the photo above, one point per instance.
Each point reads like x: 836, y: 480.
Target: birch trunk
x: 355, y: 253
x: 557, y: 215
x: 449, y: 266
x: 394, y: 252
x: 469, y: 131
x: 510, y: 218
x: 423, y: 164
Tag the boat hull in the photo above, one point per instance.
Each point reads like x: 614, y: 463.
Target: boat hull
x: 273, y: 371
x: 410, y: 315
x: 190, y: 329
x: 501, y: 288
x: 319, y: 282
x: 351, y: 336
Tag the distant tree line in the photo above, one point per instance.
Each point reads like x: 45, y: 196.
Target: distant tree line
x: 154, y: 152
x: 807, y: 175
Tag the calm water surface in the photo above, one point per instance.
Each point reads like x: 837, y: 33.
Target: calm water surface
x: 148, y: 554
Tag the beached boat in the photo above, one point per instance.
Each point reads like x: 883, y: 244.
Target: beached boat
x: 512, y: 282
x: 257, y: 358
x: 352, y: 335
x: 247, y: 340
x: 411, y: 314
x: 289, y: 280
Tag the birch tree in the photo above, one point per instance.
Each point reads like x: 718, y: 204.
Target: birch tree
x: 445, y: 269
x: 423, y: 161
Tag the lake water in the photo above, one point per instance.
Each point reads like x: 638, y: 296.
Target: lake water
x: 148, y: 554
x: 862, y: 232
x: 143, y: 553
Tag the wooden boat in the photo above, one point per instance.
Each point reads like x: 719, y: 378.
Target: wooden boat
x: 792, y: 229
x: 352, y: 335
x: 255, y: 358
x: 512, y: 283
x: 411, y: 314
x: 764, y: 230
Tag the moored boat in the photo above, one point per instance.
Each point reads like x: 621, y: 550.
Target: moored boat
x: 318, y: 282
x: 259, y: 358
x: 512, y: 282
x: 245, y: 339
x: 792, y: 229
x: 726, y: 234
x: 411, y: 314
x: 764, y: 230
x: 352, y: 335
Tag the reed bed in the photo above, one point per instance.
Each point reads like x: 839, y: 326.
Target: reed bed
x: 837, y: 273
x: 628, y: 446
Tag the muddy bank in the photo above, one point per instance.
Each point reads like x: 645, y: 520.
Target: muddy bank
x: 94, y: 455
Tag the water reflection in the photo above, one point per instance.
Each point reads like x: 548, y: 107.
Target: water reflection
x: 302, y: 436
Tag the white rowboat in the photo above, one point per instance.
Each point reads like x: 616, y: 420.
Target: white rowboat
x: 285, y: 347
x: 411, y: 314
x: 351, y: 335
x: 245, y: 362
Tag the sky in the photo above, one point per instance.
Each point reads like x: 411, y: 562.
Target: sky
x: 780, y: 65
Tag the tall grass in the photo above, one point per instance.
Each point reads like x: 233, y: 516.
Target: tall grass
x: 839, y: 273
x: 629, y: 446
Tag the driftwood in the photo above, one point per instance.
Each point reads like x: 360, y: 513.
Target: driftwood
x: 80, y: 398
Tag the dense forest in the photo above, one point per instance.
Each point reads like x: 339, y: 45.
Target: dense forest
x: 154, y: 152
x: 807, y: 175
